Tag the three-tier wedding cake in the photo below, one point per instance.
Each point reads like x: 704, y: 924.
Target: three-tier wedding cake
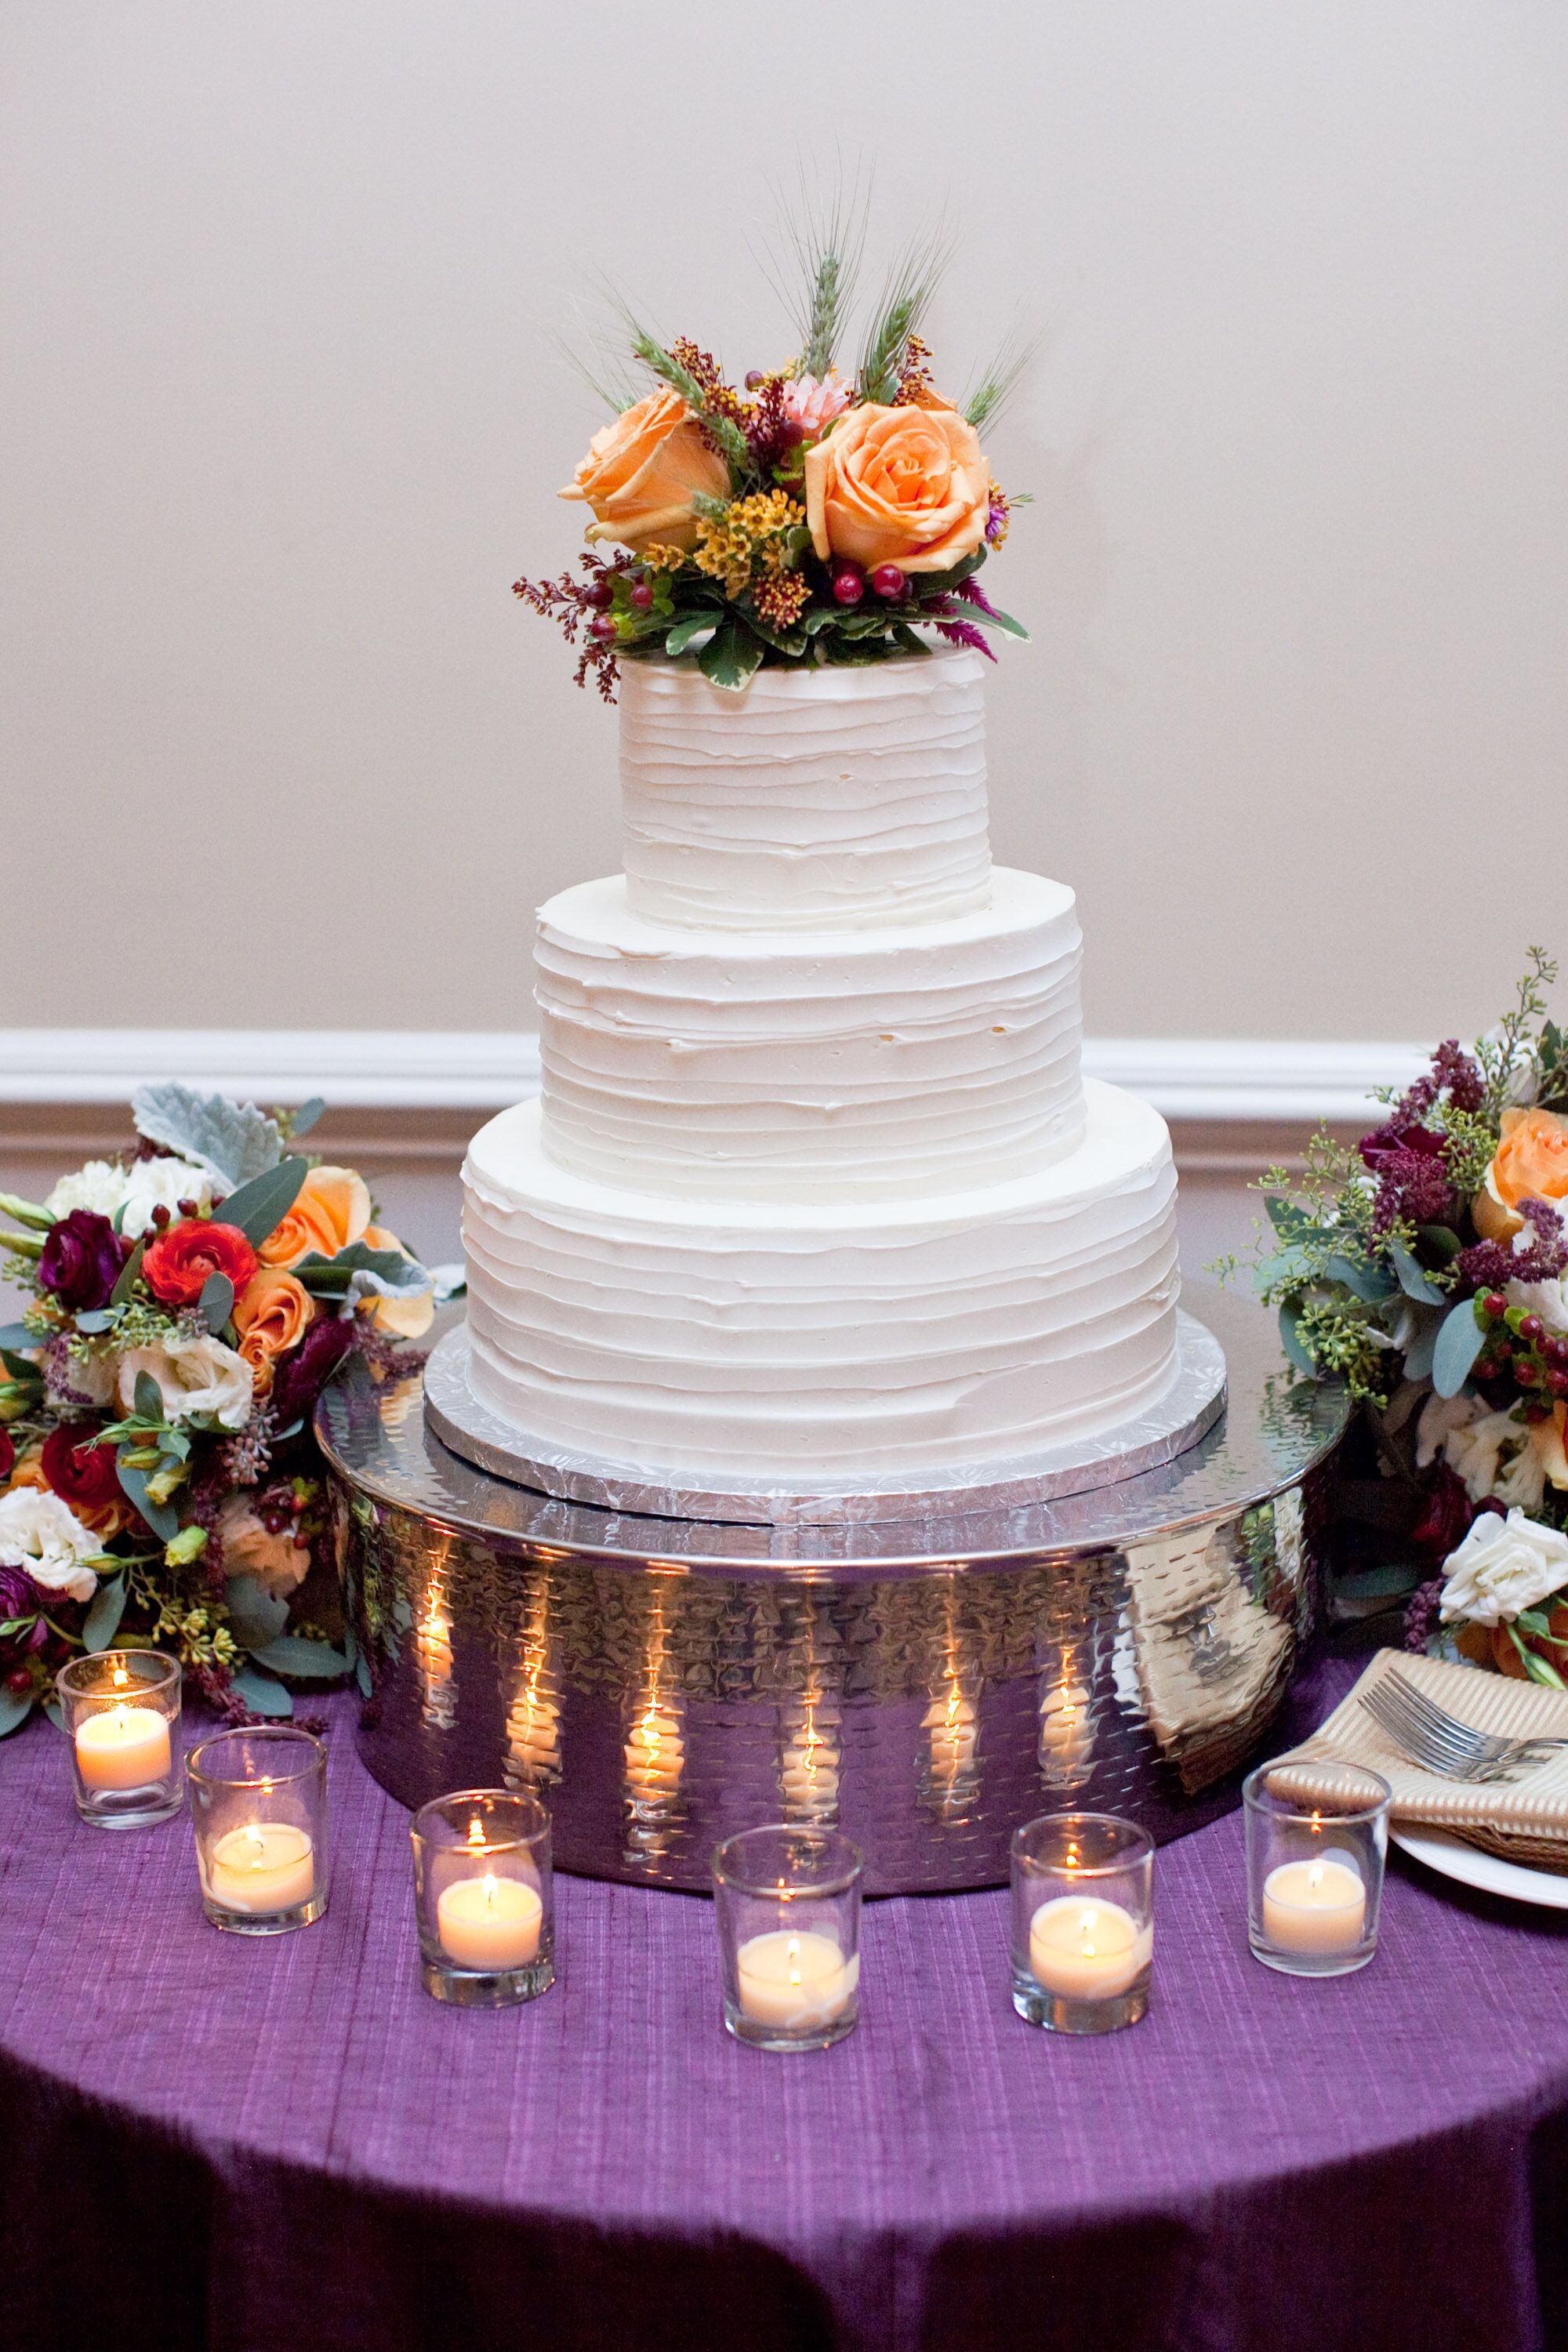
x: 815, y: 1190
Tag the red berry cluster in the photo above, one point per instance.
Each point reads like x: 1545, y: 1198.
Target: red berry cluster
x: 888, y: 580
x: 1519, y: 1348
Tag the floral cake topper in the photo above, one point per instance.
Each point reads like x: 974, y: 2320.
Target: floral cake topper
x: 807, y: 515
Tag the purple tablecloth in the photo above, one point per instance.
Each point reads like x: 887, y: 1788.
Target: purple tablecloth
x: 210, y: 2141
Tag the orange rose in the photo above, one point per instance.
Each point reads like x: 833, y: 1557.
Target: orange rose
x: 904, y: 486
x: 272, y: 1314
x: 1532, y: 1160
x: 642, y: 472
x: 407, y: 1319
x: 332, y: 1210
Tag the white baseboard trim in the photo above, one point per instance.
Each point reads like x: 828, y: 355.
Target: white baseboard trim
x: 1221, y: 1079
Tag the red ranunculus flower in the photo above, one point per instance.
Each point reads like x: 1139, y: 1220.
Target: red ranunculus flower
x: 178, y: 1263
x: 80, y: 1472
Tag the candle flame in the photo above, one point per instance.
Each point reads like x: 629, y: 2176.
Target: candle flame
x: 254, y: 1835
x: 489, y: 1891
x: 1085, y: 1930
x: 793, y: 1957
x: 1315, y: 1875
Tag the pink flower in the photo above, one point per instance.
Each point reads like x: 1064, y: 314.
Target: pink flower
x: 812, y: 405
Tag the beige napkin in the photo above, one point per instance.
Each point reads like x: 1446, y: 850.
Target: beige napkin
x: 1524, y: 1820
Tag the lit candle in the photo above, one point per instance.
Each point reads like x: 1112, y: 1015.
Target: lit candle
x: 794, y: 1979
x: 122, y: 1746
x: 266, y: 1867
x: 490, y: 1922
x: 1314, y: 1907
x: 1087, y: 1948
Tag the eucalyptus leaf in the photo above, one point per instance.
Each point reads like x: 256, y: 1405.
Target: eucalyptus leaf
x: 216, y: 1302
x: 94, y: 1320
x: 290, y: 1653
x: 149, y: 1398
x: 306, y: 1116
x: 362, y: 1677
x: 1368, y: 1283
x: 161, y: 1518
x: 17, y: 1335
x: 1413, y: 1280
x: 258, y: 1618
x: 731, y: 656
x: 233, y: 1141
x: 1459, y: 1342
x: 260, y: 1206
x: 1292, y: 1343
x: 1418, y: 1355
x: 55, y: 1713
x: 261, y: 1694
x: 127, y: 1273
x: 103, y: 1620
x: 1390, y: 1583
x: 15, y: 1706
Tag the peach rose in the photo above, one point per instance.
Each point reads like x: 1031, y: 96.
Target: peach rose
x: 406, y: 1318
x: 332, y: 1210
x: 272, y: 1314
x: 642, y: 472
x: 904, y: 486
x: 1532, y: 1160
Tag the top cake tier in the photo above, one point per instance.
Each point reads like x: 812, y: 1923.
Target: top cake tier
x: 816, y: 800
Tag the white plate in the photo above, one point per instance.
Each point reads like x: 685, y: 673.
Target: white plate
x: 1441, y: 1851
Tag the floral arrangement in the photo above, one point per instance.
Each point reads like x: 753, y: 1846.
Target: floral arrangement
x: 1429, y: 1269
x: 807, y: 516
x: 159, y: 1483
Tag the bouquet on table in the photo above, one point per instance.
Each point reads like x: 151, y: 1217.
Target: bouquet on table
x: 805, y: 517
x: 1428, y: 1267
x: 159, y: 1482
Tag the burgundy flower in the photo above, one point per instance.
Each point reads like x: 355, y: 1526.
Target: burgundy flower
x: 80, y: 1473
x: 7, y: 1453
x: 300, y: 1376
x: 20, y: 1597
x: 1447, y: 1515
x: 1411, y: 1165
x: 81, y: 1260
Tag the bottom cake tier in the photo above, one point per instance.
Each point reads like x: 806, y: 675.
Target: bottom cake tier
x: 741, y: 1339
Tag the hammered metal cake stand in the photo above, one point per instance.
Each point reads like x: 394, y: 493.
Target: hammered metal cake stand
x: 925, y: 1685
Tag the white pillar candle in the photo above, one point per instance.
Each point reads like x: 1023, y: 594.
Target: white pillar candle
x: 490, y: 1922
x: 1087, y: 1948
x: 1314, y: 1907
x: 794, y: 1979
x: 122, y: 1746
x: 264, y: 1867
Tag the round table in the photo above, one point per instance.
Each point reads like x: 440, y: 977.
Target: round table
x: 261, y: 2145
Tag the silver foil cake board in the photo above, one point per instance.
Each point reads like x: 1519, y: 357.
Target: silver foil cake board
x: 1186, y: 1413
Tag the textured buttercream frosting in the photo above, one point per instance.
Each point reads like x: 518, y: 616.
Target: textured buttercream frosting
x: 811, y: 1064
x: 733, y: 1336
x: 817, y: 797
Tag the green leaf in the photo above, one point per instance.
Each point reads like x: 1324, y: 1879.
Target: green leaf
x: 22, y: 1368
x: 1292, y: 1343
x: 330, y: 1277
x: 731, y: 656
x: 1441, y: 1239
x: 1377, y: 1583
x: 259, y: 1617
x: 261, y: 1694
x: 216, y: 1302
x: 1418, y: 1355
x: 689, y: 625
x: 363, y: 1677
x: 234, y: 1141
x: 1368, y: 1283
x: 290, y: 1653
x: 161, y: 1518
x: 260, y: 1207
x: 1458, y: 1343
x: 127, y: 1273
x: 94, y: 1320
x: 1412, y: 1280
x: 1535, y: 1620
x: 55, y: 1714
x: 103, y: 1620
x: 1536, y: 1667
x: 14, y: 1708
x: 305, y: 1118
x: 148, y: 1400
x: 17, y: 1335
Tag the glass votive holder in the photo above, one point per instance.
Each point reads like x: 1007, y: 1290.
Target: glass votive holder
x: 1317, y: 1838
x: 483, y: 1898
x: 122, y: 1710
x: 258, y: 1808
x: 787, y: 1908
x: 1082, y: 1922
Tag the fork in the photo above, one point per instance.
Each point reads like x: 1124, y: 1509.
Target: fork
x: 1429, y: 1734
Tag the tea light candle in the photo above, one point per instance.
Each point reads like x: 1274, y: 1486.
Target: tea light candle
x: 793, y: 1979
x: 1085, y: 1948
x: 122, y: 1746
x: 1314, y: 1907
x: 490, y: 1924
x: 265, y: 1866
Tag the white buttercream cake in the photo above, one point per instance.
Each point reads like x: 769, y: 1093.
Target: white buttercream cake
x: 815, y: 1187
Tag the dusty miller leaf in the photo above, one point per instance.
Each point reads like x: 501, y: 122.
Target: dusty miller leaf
x: 234, y: 1141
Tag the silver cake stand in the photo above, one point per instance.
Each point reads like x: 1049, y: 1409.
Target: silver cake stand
x: 925, y: 1684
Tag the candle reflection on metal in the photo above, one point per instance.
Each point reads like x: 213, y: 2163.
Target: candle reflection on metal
x: 950, y: 1780
x: 809, y: 1758
x: 654, y: 1752
x: 433, y: 1648
x: 1067, y: 1721
x: 533, y: 1719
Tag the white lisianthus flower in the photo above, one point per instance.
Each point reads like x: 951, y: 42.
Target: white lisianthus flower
x: 42, y: 1534
x: 1547, y: 1300
x: 107, y: 1188
x: 1489, y: 1450
x: 277, y: 1563
x: 1503, y: 1566
x: 193, y: 1376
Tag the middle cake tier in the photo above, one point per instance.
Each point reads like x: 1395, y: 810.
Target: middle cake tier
x: 811, y: 1066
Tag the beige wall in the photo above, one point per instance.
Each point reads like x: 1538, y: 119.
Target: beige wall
x: 280, y: 289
